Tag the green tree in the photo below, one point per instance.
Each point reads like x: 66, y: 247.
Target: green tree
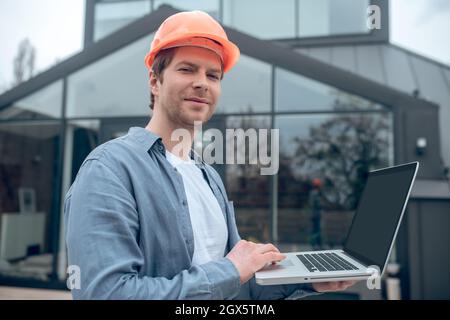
x: 341, y: 151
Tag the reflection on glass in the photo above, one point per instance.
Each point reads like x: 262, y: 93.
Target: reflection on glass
x: 324, y: 160
x: 116, y: 85
x: 329, y: 17
x: 209, y: 6
x: 246, y: 88
x: 46, y: 103
x: 294, y: 92
x: 111, y: 16
x: 29, y: 152
x: 249, y: 190
x: 265, y: 19
x: 84, y: 135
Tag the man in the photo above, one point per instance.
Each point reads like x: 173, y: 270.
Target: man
x: 146, y: 221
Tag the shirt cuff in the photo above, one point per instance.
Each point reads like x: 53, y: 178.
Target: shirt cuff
x: 224, y: 278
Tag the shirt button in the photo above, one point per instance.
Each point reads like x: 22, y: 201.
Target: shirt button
x: 184, y: 202
x: 160, y: 148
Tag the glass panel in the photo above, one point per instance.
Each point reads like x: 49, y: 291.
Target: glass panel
x: 111, y: 16
x: 294, y: 92
x: 27, y: 179
x: 399, y: 72
x: 116, y: 85
x: 330, y: 17
x: 265, y: 19
x: 209, y: 6
x: 43, y: 104
x: 246, y: 187
x: 324, y: 160
x: 246, y: 87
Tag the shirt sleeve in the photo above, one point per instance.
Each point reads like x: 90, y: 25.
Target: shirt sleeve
x: 102, y: 238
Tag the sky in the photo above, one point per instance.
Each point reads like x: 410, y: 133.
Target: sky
x: 422, y: 26
x: 56, y: 27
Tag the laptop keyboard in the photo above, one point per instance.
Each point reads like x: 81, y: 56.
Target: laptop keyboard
x: 326, y: 261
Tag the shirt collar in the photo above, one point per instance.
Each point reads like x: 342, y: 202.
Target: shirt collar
x: 144, y: 137
x: 147, y: 139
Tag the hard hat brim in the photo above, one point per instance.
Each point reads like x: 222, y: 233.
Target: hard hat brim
x: 231, y: 52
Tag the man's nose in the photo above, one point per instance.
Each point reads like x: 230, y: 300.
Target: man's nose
x: 200, y: 82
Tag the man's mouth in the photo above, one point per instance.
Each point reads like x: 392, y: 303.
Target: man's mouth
x: 198, y: 100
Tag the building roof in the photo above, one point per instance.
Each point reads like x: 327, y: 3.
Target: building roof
x: 390, y: 65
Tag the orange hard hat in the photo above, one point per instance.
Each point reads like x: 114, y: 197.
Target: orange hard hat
x: 193, y: 28
x: 316, y: 182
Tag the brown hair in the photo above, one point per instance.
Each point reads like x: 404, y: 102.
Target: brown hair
x: 162, y: 60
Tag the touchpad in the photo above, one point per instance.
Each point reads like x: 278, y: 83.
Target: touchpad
x: 279, y: 265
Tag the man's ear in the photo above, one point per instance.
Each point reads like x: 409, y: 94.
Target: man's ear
x: 153, y: 83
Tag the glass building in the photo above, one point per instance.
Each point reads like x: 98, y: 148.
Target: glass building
x: 311, y: 69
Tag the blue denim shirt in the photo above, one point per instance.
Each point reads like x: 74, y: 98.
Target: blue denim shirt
x: 128, y: 229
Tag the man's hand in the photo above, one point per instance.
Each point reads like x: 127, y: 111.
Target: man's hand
x: 332, y: 286
x: 249, y: 257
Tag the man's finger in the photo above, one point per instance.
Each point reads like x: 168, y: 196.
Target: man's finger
x: 268, y: 247
x: 273, y: 256
x: 331, y: 286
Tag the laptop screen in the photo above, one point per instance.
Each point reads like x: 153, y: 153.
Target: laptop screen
x: 378, y: 213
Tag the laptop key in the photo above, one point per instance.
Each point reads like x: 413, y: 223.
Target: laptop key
x: 334, y: 263
x: 306, y: 263
x: 334, y: 266
x: 345, y: 261
x: 325, y: 262
x: 328, y: 266
x: 342, y: 264
x: 340, y: 261
x: 309, y: 263
x: 316, y: 263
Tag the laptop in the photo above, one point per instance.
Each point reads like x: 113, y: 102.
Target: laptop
x: 369, y: 241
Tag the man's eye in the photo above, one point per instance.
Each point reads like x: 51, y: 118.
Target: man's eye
x: 185, y: 69
x: 213, y: 76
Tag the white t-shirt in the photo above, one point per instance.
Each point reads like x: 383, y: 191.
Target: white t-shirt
x: 208, y: 223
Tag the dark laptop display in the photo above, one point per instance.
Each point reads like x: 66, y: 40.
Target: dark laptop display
x: 378, y: 213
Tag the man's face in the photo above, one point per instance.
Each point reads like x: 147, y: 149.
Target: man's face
x: 191, y: 86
